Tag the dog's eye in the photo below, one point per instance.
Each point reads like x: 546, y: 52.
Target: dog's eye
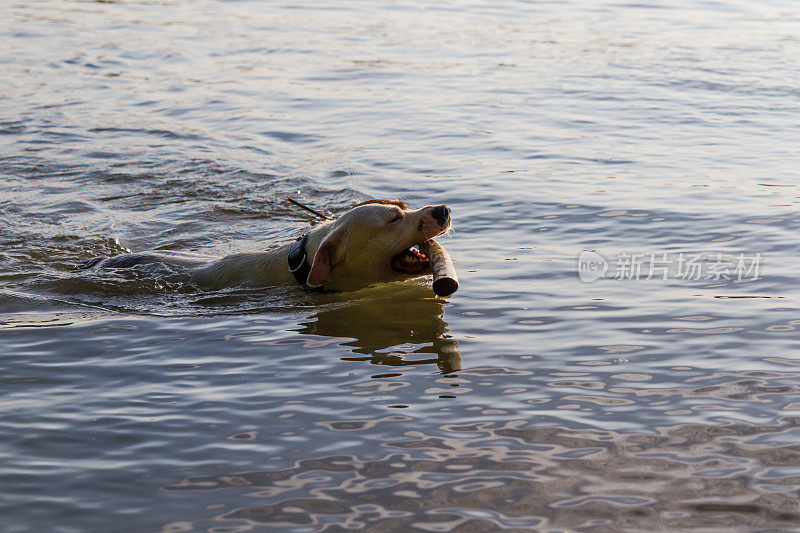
x: 395, y: 218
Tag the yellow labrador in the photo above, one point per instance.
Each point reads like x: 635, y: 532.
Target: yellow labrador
x: 375, y: 241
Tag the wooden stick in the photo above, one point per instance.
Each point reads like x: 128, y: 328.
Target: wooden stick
x: 445, y: 280
x: 310, y: 209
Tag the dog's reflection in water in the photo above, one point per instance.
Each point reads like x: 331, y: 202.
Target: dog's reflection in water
x: 396, y: 326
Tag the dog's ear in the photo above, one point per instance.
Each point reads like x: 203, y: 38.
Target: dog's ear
x: 324, y: 260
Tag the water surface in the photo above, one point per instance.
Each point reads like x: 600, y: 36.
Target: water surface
x: 529, y: 399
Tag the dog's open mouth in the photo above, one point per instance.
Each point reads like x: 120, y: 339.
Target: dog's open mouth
x: 411, y: 261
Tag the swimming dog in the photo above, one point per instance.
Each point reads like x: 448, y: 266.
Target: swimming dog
x: 375, y: 241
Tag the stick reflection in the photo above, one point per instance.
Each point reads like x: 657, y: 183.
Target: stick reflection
x: 395, y: 326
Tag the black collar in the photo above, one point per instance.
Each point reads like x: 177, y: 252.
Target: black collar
x: 298, y: 261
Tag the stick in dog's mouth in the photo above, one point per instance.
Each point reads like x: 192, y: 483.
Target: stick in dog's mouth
x: 429, y: 257
x: 445, y: 279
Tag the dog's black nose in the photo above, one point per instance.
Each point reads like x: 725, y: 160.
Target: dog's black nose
x: 441, y: 214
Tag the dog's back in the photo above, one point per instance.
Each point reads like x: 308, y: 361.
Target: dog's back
x: 131, y: 260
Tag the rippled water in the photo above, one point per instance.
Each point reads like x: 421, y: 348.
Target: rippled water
x: 529, y: 399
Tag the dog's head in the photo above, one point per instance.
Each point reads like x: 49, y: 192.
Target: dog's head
x: 377, y: 240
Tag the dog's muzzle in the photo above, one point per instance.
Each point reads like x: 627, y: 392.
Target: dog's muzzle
x: 441, y: 214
